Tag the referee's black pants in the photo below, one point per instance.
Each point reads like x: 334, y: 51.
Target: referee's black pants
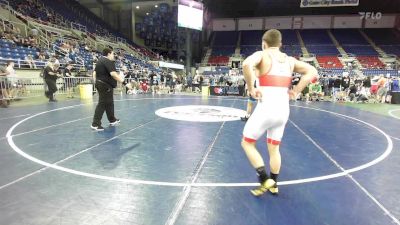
x: 52, y: 88
x: 106, y: 103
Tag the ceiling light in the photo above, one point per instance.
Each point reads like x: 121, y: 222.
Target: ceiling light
x: 137, y: 7
x: 156, y: 6
x: 147, y: 13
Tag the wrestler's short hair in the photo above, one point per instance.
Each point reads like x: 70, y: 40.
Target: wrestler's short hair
x: 273, y: 38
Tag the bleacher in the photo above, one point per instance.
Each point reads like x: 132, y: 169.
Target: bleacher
x: 9, y: 51
x: 349, y: 37
x: 251, y: 37
x: 248, y: 50
x: 378, y: 72
x: 318, y: 42
x: 370, y: 62
x: 387, y: 39
x: 218, y: 60
x: 31, y: 10
x: 384, y: 36
x: 66, y: 12
x: 316, y: 37
x: 290, y: 43
x: 334, y: 72
x: 323, y: 50
x: 224, y: 46
x: 391, y: 49
x: 251, y: 42
x: 219, y: 70
x: 361, y: 50
x: 289, y: 37
x: 354, y: 43
x: 329, y: 62
x: 225, y: 38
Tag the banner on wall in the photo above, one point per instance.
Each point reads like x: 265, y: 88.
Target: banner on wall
x: 223, y: 25
x: 225, y: 90
x: 171, y: 65
x: 328, y: 3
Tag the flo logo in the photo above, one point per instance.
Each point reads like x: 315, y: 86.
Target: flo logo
x: 371, y: 15
x: 201, y: 113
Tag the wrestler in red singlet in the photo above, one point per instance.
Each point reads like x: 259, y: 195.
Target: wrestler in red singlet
x: 274, y: 70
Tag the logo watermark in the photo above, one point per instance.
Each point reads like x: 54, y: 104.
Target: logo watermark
x: 370, y: 15
x: 201, y: 113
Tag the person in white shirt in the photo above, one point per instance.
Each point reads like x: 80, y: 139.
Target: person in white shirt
x: 12, y: 79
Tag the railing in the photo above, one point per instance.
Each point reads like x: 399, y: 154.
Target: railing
x: 4, y: 2
x: 79, y: 27
x: 80, y: 60
x: 59, y: 50
x: 43, y: 41
x: 22, y: 88
x: 19, y: 88
x: 24, y: 29
x: 122, y: 40
x: 6, y: 5
x: 347, y: 58
x: 47, y: 25
x: 33, y: 64
x: 31, y: 20
x: 390, y: 58
x: 41, y: 38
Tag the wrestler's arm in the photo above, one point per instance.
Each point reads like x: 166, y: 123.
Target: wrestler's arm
x: 248, y: 69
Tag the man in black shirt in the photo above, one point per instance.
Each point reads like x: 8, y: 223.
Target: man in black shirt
x: 353, y: 91
x: 336, y: 88
x: 153, y: 82
x: 168, y: 80
x: 367, y: 82
x: 50, y: 75
x: 106, y: 78
x: 345, y: 86
x: 162, y: 80
x: 345, y: 82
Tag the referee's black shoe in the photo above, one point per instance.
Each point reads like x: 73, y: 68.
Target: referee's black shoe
x: 115, y: 122
x: 97, y: 128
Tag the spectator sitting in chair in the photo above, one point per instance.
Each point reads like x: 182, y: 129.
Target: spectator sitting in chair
x: 29, y: 60
x: 32, y: 41
x: 383, y: 87
x: 18, y: 40
x: 352, y: 92
x: 363, y: 95
x: 316, y: 91
x: 306, y: 94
